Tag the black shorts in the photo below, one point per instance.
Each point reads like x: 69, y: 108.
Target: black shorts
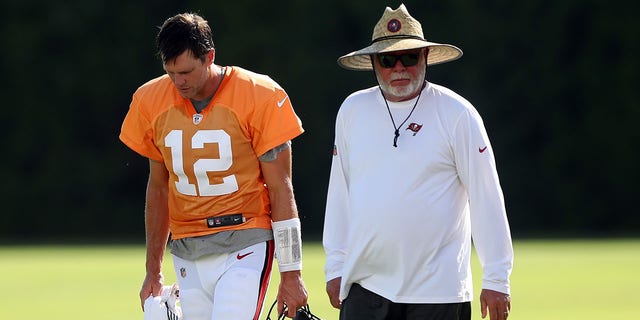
x: 362, y: 304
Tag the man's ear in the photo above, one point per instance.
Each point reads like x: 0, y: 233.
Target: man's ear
x: 211, y: 57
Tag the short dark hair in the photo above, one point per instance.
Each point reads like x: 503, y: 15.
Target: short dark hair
x: 182, y: 32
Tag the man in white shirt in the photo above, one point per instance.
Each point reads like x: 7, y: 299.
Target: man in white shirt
x: 413, y: 181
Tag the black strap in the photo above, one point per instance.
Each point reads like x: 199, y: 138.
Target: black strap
x: 170, y: 314
x: 303, y: 314
x: 226, y: 220
x: 398, y: 36
x: 396, y: 133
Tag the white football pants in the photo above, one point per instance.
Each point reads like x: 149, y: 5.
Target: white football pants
x: 225, y: 286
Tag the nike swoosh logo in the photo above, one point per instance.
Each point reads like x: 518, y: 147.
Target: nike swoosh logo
x: 482, y: 149
x: 281, y: 102
x: 242, y: 256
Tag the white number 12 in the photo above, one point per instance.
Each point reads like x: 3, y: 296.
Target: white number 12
x: 229, y: 183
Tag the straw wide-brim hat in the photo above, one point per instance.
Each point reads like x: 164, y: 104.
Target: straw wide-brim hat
x: 398, y: 30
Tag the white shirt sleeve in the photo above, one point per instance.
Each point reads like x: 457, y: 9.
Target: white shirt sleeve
x: 335, y: 231
x: 476, y: 167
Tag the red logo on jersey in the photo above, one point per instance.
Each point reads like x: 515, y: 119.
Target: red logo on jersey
x: 482, y: 149
x: 414, y: 127
x: 335, y: 150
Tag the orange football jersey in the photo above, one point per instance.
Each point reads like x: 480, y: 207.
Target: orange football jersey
x: 212, y: 156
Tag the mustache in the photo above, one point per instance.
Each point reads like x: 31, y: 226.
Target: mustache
x: 398, y: 76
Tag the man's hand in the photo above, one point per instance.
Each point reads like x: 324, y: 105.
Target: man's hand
x: 333, y: 291
x: 152, y: 285
x: 498, y: 304
x: 291, y: 292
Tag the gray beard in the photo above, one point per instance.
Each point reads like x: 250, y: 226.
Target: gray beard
x: 403, y: 93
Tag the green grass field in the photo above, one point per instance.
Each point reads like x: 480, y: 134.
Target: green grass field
x: 560, y: 279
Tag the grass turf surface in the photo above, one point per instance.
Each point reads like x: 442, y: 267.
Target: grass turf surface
x: 552, y: 279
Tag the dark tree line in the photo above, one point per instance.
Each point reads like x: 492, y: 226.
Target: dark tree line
x: 555, y: 81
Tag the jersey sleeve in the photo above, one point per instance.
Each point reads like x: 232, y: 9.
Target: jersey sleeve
x: 136, y: 132
x: 274, y: 122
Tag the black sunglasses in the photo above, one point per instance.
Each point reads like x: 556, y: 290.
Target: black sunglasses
x: 390, y: 60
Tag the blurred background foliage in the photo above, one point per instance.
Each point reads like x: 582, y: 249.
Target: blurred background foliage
x: 555, y: 81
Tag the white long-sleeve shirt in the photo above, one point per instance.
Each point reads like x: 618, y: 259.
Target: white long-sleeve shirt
x: 399, y: 220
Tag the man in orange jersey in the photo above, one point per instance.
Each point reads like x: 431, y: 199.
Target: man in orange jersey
x: 218, y: 139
